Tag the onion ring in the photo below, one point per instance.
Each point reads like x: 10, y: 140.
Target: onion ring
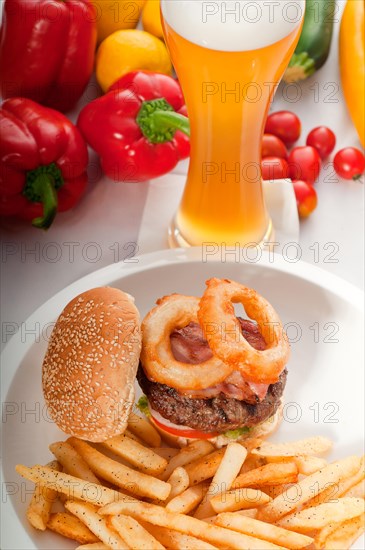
x: 222, y: 330
x: 171, y: 312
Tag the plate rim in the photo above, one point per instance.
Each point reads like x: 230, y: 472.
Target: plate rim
x: 15, y: 349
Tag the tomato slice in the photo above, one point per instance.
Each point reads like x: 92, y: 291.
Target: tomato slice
x: 193, y: 434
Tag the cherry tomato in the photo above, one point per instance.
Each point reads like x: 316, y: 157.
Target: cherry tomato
x: 285, y: 125
x: 272, y: 146
x: 322, y: 139
x: 349, y: 163
x: 274, y: 168
x: 192, y: 434
x: 306, y: 198
x: 304, y: 164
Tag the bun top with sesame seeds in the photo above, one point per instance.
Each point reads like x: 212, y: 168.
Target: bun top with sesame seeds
x: 90, y: 365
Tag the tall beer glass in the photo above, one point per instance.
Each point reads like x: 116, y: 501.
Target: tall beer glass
x: 229, y: 57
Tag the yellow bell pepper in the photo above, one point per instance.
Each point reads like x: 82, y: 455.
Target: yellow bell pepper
x: 116, y: 15
x: 151, y: 18
x: 352, y: 62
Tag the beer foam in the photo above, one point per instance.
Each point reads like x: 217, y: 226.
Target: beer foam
x: 233, y: 25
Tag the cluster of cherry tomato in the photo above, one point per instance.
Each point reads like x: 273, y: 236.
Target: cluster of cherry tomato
x: 303, y: 164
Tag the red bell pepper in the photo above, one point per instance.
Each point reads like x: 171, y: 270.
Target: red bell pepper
x: 138, y: 128
x: 43, y: 161
x: 47, y: 50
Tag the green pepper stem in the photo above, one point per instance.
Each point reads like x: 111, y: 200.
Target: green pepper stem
x: 158, y: 121
x: 162, y: 121
x: 44, y: 185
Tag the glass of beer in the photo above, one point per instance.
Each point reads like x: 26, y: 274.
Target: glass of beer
x: 229, y: 57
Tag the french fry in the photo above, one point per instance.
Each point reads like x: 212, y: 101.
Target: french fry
x: 275, y: 490
x: 136, y: 537
x: 311, y: 446
x: 71, y: 486
x: 234, y: 456
x: 270, y: 474
x: 276, y: 459
x: 263, y: 530
x: 131, y: 435
x: 179, y: 481
x: 71, y: 527
x: 195, y: 450
x: 308, y: 465
x: 249, y: 513
x: 302, y: 492
x: 174, y: 539
x: 166, y: 452
x: 141, y: 457
x: 346, y: 484
x: 188, y: 525
x: 258, y: 503
x: 211, y: 519
x: 39, y: 509
x: 357, y: 491
x: 122, y: 476
x: 252, y: 462
x: 72, y: 462
x: 87, y: 513
x: 205, y: 467
x: 93, y: 546
x: 238, y: 499
x: 346, y: 534
x: 322, y: 535
x: 144, y: 430
x: 311, y: 519
x: 188, y: 500
x: 251, y: 443
x: 332, y: 492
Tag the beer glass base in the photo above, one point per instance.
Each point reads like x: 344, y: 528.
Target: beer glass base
x: 176, y: 239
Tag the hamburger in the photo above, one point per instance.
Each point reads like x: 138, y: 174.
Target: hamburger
x: 234, y: 408
x: 98, y: 348
x: 90, y: 366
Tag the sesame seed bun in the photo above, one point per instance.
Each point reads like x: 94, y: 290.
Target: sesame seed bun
x: 90, y: 365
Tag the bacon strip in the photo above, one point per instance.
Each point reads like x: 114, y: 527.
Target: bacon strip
x: 189, y: 346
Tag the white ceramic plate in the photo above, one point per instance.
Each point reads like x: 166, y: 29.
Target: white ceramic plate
x: 324, y: 393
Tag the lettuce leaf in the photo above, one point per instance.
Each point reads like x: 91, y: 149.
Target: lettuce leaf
x: 235, y: 434
x: 142, y: 405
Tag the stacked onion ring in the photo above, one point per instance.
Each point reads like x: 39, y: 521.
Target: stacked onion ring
x: 216, y: 316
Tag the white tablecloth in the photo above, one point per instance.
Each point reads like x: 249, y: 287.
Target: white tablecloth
x: 104, y: 228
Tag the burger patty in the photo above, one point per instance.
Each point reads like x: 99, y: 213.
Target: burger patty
x: 218, y: 414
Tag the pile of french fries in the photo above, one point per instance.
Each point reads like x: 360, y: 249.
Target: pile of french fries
x: 131, y: 492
